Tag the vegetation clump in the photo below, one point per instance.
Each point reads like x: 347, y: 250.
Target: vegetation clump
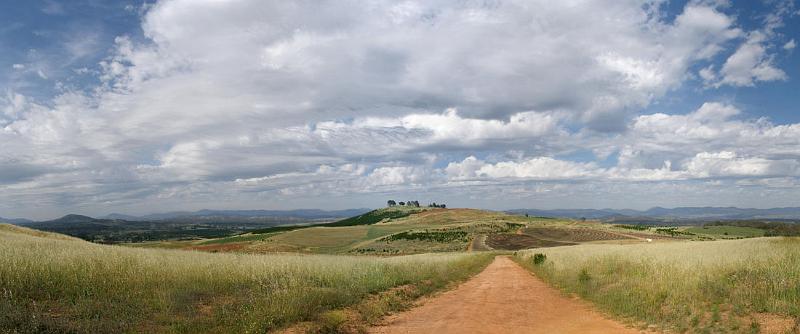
x: 673, y: 232
x: 637, y: 227
x: 429, y: 235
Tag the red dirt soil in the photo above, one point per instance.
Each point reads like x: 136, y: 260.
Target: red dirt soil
x: 504, y: 298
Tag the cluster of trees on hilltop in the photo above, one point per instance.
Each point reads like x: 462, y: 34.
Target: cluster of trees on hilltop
x: 415, y: 204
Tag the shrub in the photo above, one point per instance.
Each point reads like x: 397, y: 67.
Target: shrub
x: 539, y: 258
x: 584, y: 276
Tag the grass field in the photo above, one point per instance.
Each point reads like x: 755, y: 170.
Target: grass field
x: 401, y: 230
x: 389, y: 231
x: 55, y: 284
x: 727, y: 231
x: 702, y: 287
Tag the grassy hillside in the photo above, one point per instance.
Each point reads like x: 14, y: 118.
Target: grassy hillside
x: 704, y: 287
x: 8, y: 228
x: 401, y: 230
x: 725, y: 232
x: 55, y: 284
x: 389, y: 231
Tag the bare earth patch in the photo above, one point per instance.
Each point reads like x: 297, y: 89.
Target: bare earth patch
x: 572, y: 234
x: 509, y: 241
x: 774, y: 323
x: 504, y: 298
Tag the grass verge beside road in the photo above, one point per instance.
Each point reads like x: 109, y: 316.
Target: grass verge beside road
x: 714, y: 286
x: 55, y: 285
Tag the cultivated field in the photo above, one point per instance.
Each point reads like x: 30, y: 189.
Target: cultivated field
x: 55, y: 284
x: 400, y: 231
x: 706, y: 287
x: 390, y: 231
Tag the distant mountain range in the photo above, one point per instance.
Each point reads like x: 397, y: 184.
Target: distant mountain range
x: 211, y: 215
x: 117, y: 228
x: 15, y: 221
x: 310, y: 214
x: 271, y: 217
x: 660, y: 214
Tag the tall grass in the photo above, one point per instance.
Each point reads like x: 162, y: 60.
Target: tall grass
x: 712, y: 286
x: 52, y: 285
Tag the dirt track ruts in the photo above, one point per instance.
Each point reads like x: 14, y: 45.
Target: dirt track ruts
x: 504, y: 298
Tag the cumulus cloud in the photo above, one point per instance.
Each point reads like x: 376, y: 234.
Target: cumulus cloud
x: 538, y: 168
x: 252, y: 100
x: 749, y: 64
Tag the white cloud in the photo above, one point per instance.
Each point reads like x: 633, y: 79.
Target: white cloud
x: 306, y: 99
x: 726, y: 164
x: 749, y: 64
x: 790, y: 45
x: 538, y: 168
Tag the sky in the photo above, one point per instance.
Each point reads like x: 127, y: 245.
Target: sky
x: 139, y: 107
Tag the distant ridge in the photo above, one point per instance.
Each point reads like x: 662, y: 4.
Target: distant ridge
x: 203, y: 224
x: 667, y: 214
x: 15, y: 221
x: 299, y: 213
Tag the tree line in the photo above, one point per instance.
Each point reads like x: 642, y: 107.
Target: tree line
x: 415, y: 204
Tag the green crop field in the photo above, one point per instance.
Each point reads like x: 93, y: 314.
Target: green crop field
x: 55, y: 284
x: 705, y: 287
x: 727, y: 231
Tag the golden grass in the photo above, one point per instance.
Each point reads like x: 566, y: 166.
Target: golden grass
x: 715, y: 286
x: 27, y: 231
x: 56, y: 285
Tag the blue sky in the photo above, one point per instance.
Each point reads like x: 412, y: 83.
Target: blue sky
x: 140, y: 107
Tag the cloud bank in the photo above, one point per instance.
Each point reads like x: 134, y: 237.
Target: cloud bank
x: 334, y: 103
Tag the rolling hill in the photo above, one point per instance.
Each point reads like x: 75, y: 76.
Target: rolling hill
x: 51, y: 283
x: 203, y: 224
x: 270, y: 288
x: 663, y: 215
x: 15, y: 221
x: 308, y: 214
x: 409, y: 230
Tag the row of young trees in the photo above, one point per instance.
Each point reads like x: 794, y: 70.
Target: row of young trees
x: 415, y: 204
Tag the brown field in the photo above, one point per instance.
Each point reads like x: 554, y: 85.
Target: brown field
x: 572, y: 234
x: 507, y: 241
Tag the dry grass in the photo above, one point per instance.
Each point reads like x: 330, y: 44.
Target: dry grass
x: 54, y: 285
x: 716, y: 286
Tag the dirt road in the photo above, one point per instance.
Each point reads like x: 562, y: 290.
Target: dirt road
x: 504, y: 298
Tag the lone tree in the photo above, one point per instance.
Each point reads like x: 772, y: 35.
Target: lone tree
x: 391, y: 202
